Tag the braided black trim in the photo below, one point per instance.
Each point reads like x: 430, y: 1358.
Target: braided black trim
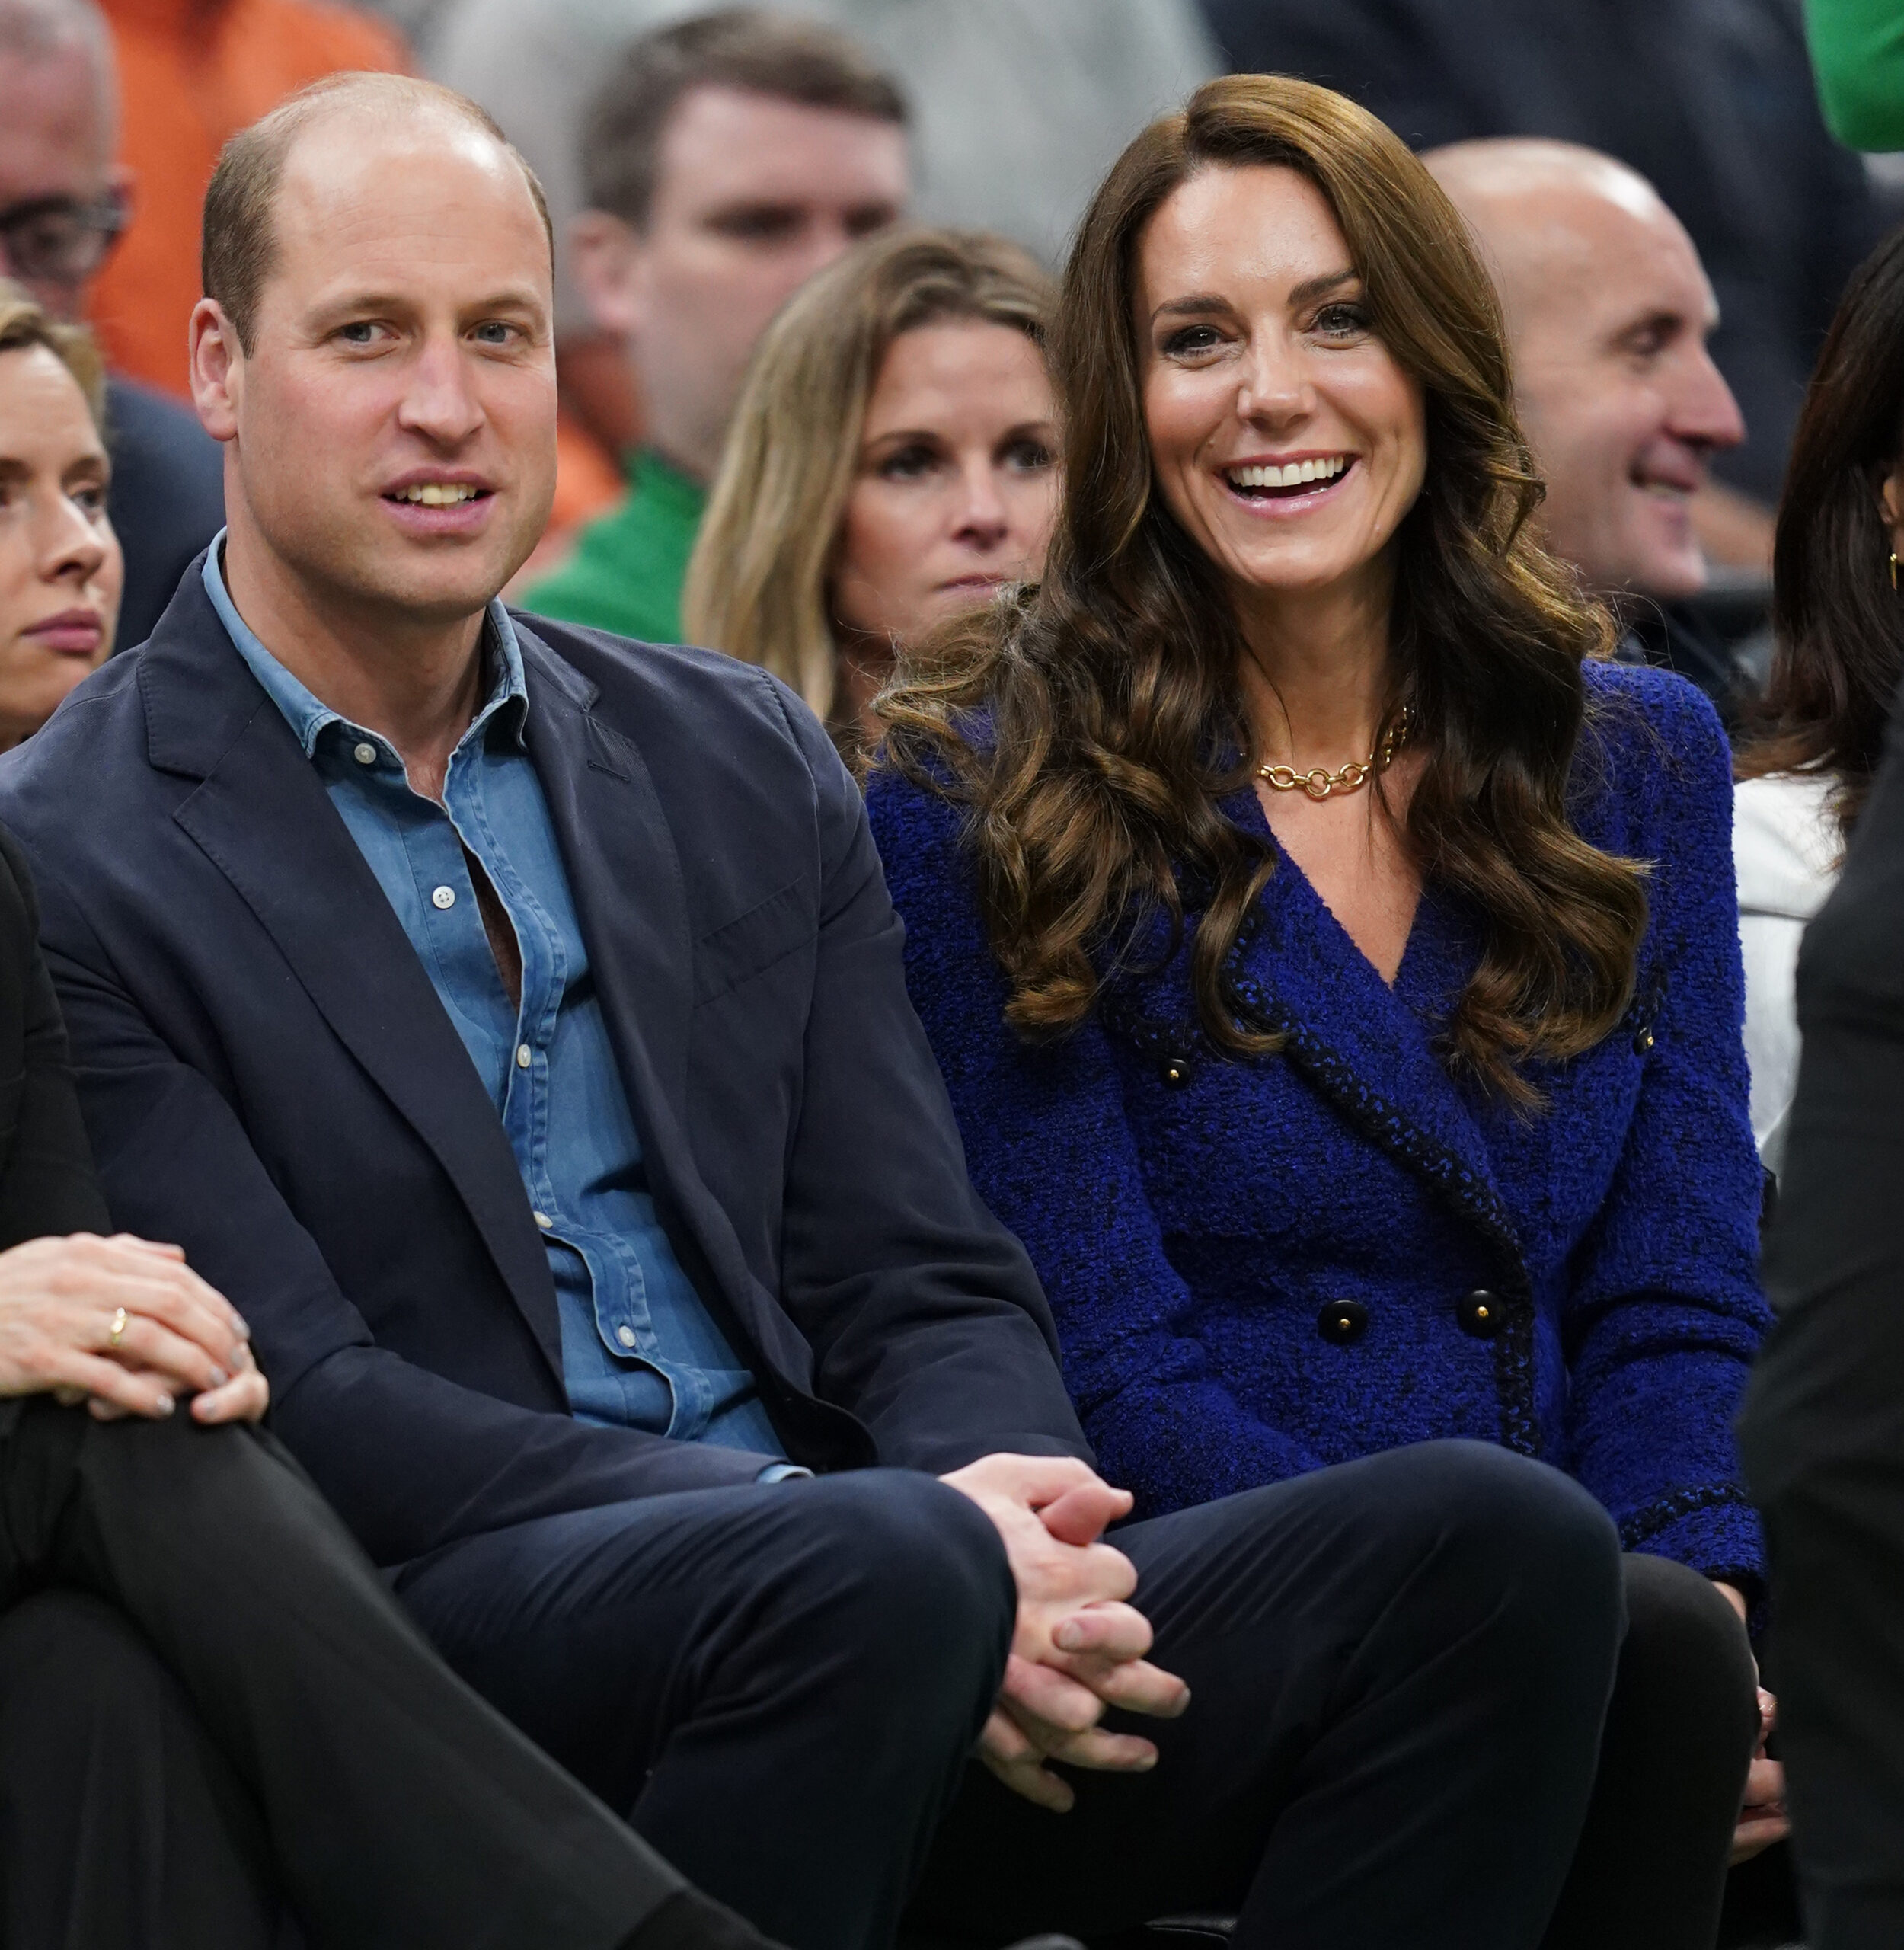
x: 1663, y: 1514
x: 1384, y: 1126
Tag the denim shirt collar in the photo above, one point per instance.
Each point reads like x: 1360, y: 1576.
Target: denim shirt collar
x: 308, y: 717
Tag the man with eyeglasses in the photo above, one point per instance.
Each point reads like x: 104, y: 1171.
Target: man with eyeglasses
x: 63, y: 202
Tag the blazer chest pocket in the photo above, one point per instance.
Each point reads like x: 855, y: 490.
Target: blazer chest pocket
x: 752, y: 942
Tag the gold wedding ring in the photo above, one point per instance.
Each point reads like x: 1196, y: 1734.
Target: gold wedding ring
x: 118, y: 1333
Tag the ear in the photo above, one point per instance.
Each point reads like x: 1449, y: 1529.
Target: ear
x: 217, y: 369
x: 1890, y: 501
x: 607, y: 259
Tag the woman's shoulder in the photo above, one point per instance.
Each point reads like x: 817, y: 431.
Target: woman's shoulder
x: 1637, y: 705
x: 919, y: 819
x: 1651, y: 752
x: 1785, y: 842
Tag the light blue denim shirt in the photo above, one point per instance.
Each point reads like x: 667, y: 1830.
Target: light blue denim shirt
x: 639, y: 1349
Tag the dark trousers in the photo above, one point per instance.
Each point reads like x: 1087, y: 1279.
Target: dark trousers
x: 1399, y: 1670
x: 210, y: 1704
x: 1649, y: 1873
x: 120, y: 1822
x: 1426, y: 1719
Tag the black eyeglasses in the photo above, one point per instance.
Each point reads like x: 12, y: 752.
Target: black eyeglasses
x: 59, y: 240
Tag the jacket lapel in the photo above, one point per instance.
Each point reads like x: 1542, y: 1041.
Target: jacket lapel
x: 261, y: 815
x: 624, y: 864
x: 1295, y: 971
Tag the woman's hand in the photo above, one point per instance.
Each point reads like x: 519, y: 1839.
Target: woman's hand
x: 1763, y: 1820
x: 126, y: 1326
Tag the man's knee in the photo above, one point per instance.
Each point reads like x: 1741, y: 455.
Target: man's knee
x: 913, y: 1568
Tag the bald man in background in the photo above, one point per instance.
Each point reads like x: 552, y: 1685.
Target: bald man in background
x: 1609, y: 312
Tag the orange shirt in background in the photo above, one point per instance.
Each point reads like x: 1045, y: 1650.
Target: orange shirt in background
x: 192, y: 72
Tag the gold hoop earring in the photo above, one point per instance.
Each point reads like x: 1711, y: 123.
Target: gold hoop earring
x: 1893, y: 568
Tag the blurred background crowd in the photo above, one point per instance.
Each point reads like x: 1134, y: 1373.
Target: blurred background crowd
x: 998, y: 114
x: 1673, y: 195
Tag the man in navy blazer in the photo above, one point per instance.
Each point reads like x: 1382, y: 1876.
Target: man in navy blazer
x: 511, y: 1020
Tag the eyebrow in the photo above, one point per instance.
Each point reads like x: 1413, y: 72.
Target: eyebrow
x: 1203, y: 304
x: 355, y: 302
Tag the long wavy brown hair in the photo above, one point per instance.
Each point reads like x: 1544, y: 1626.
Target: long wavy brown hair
x: 1094, y: 725
x: 1838, y: 621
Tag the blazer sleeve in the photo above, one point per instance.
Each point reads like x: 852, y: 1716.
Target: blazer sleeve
x: 47, y: 1185
x: 924, y: 1315
x: 177, y: 1163
x: 1665, y: 1313
x: 1051, y: 1151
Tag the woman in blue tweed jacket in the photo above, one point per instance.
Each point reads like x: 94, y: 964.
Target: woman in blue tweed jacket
x: 1331, y: 957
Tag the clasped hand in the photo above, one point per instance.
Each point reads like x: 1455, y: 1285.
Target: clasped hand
x: 60, y: 1301
x: 1078, y: 1648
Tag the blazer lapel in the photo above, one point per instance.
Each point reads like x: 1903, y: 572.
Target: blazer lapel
x: 1295, y: 971
x: 262, y: 817
x: 625, y: 872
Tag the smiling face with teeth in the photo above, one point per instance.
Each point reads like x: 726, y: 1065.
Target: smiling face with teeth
x: 1286, y: 440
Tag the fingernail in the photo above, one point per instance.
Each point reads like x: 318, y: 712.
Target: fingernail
x: 219, y: 1377
x: 1068, y: 1637
x: 164, y: 1404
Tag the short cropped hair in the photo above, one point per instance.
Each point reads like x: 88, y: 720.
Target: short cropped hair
x: 239, y: 244
x: 739, y: 47
x: 25, y: 323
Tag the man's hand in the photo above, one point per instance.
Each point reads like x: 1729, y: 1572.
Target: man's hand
x: 125, y: 1325
x: 1078, y: 1647
x: 1763, y: 1820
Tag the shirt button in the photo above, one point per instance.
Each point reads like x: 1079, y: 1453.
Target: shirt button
x: 522, y: 1055
x: 542, y: 1220
x: 444, y: 897
x: 365, y: 754
x: 625, y: 1335
x: 1343, y: 1321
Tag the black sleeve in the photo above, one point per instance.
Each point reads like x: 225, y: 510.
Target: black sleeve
x: 47, y: 1184
x: 1822, y: 1433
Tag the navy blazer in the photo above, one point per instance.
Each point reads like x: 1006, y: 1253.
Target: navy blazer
x: 269, y: 1079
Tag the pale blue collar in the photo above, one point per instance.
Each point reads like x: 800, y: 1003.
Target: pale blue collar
x: 307, y: 715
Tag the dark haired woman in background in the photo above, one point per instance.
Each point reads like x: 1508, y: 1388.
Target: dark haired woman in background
x: 1330, y: 954
x: 1838, y: 617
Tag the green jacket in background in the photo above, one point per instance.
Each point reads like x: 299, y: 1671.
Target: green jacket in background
x: 628, y: 566
x: 1857, y: 55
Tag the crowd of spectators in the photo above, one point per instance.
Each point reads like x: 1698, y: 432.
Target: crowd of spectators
x: 1140, y: 1151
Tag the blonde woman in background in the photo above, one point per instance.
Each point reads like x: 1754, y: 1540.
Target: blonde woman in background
x: 893, y: 459
x: 61, y: 571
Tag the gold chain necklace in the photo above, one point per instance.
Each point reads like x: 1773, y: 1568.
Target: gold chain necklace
x: 1353, y: 776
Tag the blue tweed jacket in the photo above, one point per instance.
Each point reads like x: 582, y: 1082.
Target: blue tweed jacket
x: 1258, y: 1267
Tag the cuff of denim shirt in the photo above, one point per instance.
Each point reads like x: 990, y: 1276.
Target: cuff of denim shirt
x: 782, y: 1472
